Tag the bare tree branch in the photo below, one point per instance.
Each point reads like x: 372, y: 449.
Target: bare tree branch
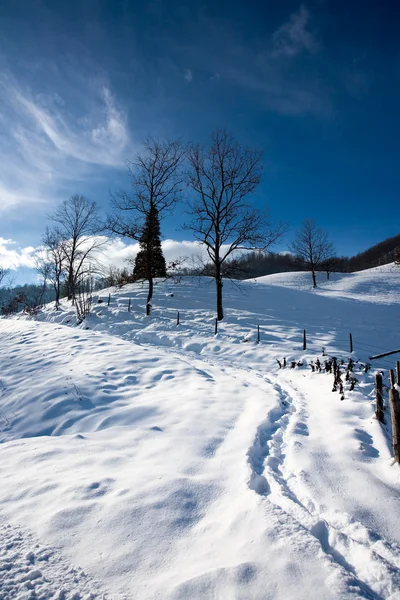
x: 222, y: 176
x: 78, y: 226
x: 4, y: 273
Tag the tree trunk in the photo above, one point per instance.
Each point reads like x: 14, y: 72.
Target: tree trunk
x: 328, y: 275
x: 57, y: 286
x: 70, y: 284
x: 314, y: 279
x: 149, y: 296
x: 220, y: 311
x: 149, y: 277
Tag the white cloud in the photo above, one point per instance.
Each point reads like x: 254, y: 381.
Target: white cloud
x: 294, y: 36
x: 14, y: 257
x: 49, y: 144
x: 118, y: 251
x: 114, y: 252
x: 188, y: 75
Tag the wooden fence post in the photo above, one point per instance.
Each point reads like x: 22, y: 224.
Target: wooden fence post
x: 258, y: 334
x: 216, y: 327
x: 109, y: 298
x: 177, y: 318
x: 304, y: 340
x: 398, y: 372
x: 351, y: 343
x: 394, y: 400
x: 391, y: 378
x: 379, y: 398
x: 129, y: 305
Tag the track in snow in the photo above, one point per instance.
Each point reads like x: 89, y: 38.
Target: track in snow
x: 354, y: 552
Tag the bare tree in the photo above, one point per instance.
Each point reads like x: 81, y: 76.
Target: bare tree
x: 330, y: 263
x: 54, y: 260
x: 156, y: 185
x: 78, y: 226
x: 4, y: 273
x: 84, y: 295
x: 43, y: 268
x: 222, y: 176
x: 311, y: 247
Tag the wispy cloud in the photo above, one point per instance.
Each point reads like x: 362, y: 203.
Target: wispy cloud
x: 270, y: 66
x: 49, y: 144
x: 294, y: 36
x: 188, y: 75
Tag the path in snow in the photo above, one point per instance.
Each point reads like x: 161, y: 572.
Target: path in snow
x: 188, y: 467
x: 372, y: 562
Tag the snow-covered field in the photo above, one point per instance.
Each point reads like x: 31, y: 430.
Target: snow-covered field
x: 144, y: 460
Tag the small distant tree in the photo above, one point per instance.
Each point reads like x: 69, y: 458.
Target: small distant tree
x: 113, y: 276
x: 78, y: 225
x: 52, y: 261
x: 330, y: 262
x: 43, y: 269
x: 312, y: 247
x: 222, y: 176
x: 85, y: 286
x: 4, y: 273
x: 110, y: 276
x: 397, y: 257
x: 156, y: 186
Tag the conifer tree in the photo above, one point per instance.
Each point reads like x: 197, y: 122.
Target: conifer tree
x: 156, y: 181
x: 150, y: 261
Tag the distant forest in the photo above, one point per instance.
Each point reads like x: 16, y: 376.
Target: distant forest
x: 250, y: 264
x: 257, y: 264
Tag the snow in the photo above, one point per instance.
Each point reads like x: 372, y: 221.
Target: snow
x: 39, y: 573
x: 149, y: 460
x: 376, y: 285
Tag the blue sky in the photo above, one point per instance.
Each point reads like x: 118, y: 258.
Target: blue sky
x: 315, y: 84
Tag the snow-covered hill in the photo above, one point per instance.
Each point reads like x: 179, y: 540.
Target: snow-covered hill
x: 379, y: 285
x: 168, y: 462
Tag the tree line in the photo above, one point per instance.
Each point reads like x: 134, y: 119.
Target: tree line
x: 215, y: 181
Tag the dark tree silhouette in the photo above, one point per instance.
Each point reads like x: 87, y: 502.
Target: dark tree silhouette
x: 156, y: 182
x: 222, y: 176
x: 150, y: 261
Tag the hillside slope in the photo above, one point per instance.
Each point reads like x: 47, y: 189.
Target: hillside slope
x: 378, y: 285
x: 169, y: 462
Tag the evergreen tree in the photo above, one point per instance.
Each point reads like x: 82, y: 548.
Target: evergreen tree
x: 156, y: 179
x: 150, y: 261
